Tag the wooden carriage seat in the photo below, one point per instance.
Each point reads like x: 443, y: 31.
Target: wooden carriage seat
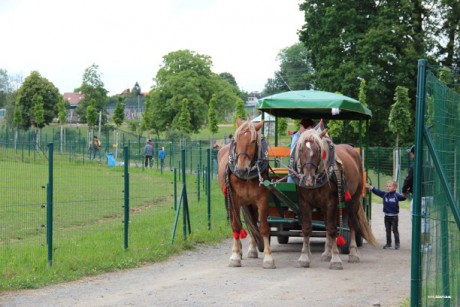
x: 279, y: 152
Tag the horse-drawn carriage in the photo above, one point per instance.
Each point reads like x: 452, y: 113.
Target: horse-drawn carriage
x: 326, y: 196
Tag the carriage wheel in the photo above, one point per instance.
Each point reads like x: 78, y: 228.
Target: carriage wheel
x: 283, y: 239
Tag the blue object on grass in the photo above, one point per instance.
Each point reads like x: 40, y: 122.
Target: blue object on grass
x: 110, y: 160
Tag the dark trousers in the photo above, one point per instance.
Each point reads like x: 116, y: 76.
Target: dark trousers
x: 391, y: 223
x: 148, y: 161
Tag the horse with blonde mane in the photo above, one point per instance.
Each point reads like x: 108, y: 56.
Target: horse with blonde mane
x: 328, y: 175
x: 243, y: 166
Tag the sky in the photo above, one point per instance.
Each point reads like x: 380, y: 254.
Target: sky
x: 128, y: 39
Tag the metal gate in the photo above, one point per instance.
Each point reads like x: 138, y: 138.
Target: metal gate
x: 436, y: 206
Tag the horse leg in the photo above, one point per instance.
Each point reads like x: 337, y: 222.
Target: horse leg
x: 235, y: 258
x: 305, y: 254
x: 264, y: 229
x: 353, y: 256
x: 336, y: 262
x: 327, y: 254
x: 252, y: 248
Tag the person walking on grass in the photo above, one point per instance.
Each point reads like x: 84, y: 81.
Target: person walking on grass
x: 148, y: 154
x: 96, y: 148
x: 162, y: 157
x: 391, y: 200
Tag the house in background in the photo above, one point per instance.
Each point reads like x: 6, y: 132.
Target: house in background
x: 73, y: 99
x: 251, y: 104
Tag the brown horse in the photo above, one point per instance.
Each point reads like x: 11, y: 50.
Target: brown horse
x: 243, y: 166
x: 326, y: 177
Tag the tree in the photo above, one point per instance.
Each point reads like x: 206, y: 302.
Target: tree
x: 4, y: 87
x: 212, y: 116
x: 187, y: 75
x: 119, y: 113
x: 62, y: 115
x: 443, y: 31
x: 282, y: 126
x: 38, y: 117
x: 229, y: 78
x: 360, y: 125
x: 183, y: 120
x: 240, y: 111
x: 92, y: 89
x: 400, y: 119
x: 118, y: 118
x: 17, y: 121
x: 376, y: 41
x: 296, y: 71
x: 91, y: 117
x: 35, y: 86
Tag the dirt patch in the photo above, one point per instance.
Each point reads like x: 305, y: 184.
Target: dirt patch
x: 202, y: 278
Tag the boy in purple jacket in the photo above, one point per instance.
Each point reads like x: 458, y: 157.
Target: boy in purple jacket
x: 391, y: 200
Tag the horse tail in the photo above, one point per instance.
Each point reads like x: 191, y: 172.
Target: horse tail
x: 365, y: 228
x: 251, y: 223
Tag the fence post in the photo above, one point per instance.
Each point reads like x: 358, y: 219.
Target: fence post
x: 416, y: 259
x: 208, y: 185
x: 126, y: 207
x: 49, y: 205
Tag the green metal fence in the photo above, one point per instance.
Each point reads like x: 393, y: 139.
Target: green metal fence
x: 436, y: 207
x: 90, y: 198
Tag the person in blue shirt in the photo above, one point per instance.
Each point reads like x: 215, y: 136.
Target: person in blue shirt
x: 162, y: 156
x: 391, y: 200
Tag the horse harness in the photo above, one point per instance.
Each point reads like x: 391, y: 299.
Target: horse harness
x: 334, y: 172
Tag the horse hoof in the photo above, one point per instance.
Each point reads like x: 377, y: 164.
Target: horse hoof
x: 326, y: 258
x: 234, y: 263
x: 304, y: 264
x: 353, y: 259
x: 253, y: 254
x: 269, y: 265
x: 336, y: 266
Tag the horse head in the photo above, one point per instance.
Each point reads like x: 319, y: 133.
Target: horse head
x: 312, y: 156
x: 245, y: 145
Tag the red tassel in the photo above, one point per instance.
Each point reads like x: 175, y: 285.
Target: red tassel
x: 236, y: 235
x: 243, y: 233
x: 340, y: 241
x: 224, y: 190
x: 347, y: 196
x: 324, y: 155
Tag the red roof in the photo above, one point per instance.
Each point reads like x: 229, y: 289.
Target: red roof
x: 73, y: 98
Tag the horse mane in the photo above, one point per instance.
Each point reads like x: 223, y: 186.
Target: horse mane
x: 247, y: 125
x: 314, y: 135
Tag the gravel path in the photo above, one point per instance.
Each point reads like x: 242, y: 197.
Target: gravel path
x: 203, y: 278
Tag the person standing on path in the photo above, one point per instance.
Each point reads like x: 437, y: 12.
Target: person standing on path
x: 148, y: 153
x: 391, y: 200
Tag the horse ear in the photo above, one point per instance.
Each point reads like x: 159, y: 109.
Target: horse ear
x: 238, y: 121
x: 259, y: 125
x: 323, y: 133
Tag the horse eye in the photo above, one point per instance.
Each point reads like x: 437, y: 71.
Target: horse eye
x: 253, y: 141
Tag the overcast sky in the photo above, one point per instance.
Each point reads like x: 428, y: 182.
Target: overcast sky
x: 128, y: 39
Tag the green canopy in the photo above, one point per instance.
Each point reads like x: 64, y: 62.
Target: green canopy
x: 314, y: 104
